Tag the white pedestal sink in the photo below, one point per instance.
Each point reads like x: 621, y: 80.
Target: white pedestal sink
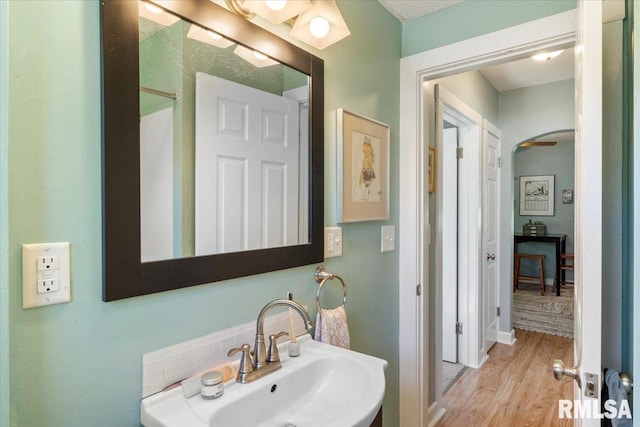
x: 325, y: 386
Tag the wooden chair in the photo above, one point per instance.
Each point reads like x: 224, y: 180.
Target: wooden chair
x: 566, y: 264
x: 516, y: 270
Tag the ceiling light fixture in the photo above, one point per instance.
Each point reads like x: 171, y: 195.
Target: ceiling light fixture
x: 546, y: 56
x: 275, y: 5
x: 277, y: 11
x: 319, y: 23
x: 320, y: 26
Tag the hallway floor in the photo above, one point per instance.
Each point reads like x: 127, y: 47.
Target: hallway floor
x: 515, y: 387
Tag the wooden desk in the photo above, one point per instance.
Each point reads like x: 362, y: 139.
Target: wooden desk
x: 560, y: 241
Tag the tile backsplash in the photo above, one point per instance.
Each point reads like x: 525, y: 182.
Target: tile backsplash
x: 169, y: 365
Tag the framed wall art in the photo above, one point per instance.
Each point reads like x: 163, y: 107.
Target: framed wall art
x: 537, y: 195
x: 363, y: 168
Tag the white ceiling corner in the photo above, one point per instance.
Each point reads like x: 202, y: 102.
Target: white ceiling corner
x: 513, y: 75
x: 407, y: 10
x: 527, y: 72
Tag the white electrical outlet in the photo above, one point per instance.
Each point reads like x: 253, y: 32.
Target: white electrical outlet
x: 388, y: 238
x: 45, y: 274
x: 48, y: 285
x: 47, y: 263
x: 332, y: 242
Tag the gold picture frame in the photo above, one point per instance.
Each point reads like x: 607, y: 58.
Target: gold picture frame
x: 363, y: 168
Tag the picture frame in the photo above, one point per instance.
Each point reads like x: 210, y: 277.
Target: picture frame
x: 567, y: 196
x: 363, y: 168
x: 432, y: 169
x: 537, y: 195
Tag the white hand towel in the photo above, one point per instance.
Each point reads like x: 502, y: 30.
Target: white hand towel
x: 331, y: 327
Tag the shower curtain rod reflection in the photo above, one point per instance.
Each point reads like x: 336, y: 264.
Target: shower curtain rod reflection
x: 158, y: 92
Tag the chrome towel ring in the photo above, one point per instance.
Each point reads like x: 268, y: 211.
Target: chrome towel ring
x: 321, y: 276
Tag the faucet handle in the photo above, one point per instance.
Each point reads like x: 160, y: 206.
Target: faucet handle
x: 272, y: 354
x: 246, y: 364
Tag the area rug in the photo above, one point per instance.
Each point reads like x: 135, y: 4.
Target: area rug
x: 450, y: 374
x: 548, y: 314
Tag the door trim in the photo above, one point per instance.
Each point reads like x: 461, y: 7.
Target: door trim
x: 469, y: 124
x: 555, y: 31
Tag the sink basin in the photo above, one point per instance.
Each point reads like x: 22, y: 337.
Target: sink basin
x: 325, y: 386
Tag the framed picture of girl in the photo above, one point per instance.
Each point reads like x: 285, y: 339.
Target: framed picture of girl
x: 363, y: 168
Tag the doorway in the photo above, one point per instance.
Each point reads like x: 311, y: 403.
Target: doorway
x: 414, y: 371
x: 465, y: 208
x: 541, y: 226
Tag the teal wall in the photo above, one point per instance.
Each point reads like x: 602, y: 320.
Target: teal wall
x: 473, y: 18
x: 79, y: 364
x: 4, y: 220
x: 475, y: 91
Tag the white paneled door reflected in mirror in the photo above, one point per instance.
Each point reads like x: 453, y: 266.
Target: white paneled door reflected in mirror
x: 224, y: 143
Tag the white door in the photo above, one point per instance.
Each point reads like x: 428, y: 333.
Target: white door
x: 588, y: 209
x: 449, y: 174
x: 490, y: 227
x: 247, y: 153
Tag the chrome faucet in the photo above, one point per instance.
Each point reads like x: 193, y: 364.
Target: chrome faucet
x: 264, y: 362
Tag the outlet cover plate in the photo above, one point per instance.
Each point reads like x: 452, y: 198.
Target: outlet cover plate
x: 388, y: 238
x: 332, y: 242
x: 32, y: 275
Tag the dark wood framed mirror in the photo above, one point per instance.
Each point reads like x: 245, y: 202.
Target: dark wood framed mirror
x: 125, y: 273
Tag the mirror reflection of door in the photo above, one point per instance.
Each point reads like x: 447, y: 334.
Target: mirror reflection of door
x: 247, y: 149
x: 233, y: 210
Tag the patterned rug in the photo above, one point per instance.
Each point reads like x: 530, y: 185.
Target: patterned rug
x: 548, y: 314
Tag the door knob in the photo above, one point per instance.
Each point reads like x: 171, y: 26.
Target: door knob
x: 491, y: 256
x: 560, y: 371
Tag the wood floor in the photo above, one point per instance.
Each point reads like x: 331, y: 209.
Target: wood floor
x: 514, y: 388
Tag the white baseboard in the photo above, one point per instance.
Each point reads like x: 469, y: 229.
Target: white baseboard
x: 508, y: 338
x: 435, y: 413
x: 482, y: 362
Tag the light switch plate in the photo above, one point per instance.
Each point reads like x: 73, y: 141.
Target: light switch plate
x: 388, y: 238
x: 332, y: 242
x: 46, y: 275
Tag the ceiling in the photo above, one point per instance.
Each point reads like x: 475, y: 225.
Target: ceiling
x: 407, y: 10
x: 528, y: 72
x: 509, y: 76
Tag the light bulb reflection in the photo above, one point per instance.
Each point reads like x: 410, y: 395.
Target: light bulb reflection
x: 259, y: 55
x: 214, y: 35
x: 152, y: 7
